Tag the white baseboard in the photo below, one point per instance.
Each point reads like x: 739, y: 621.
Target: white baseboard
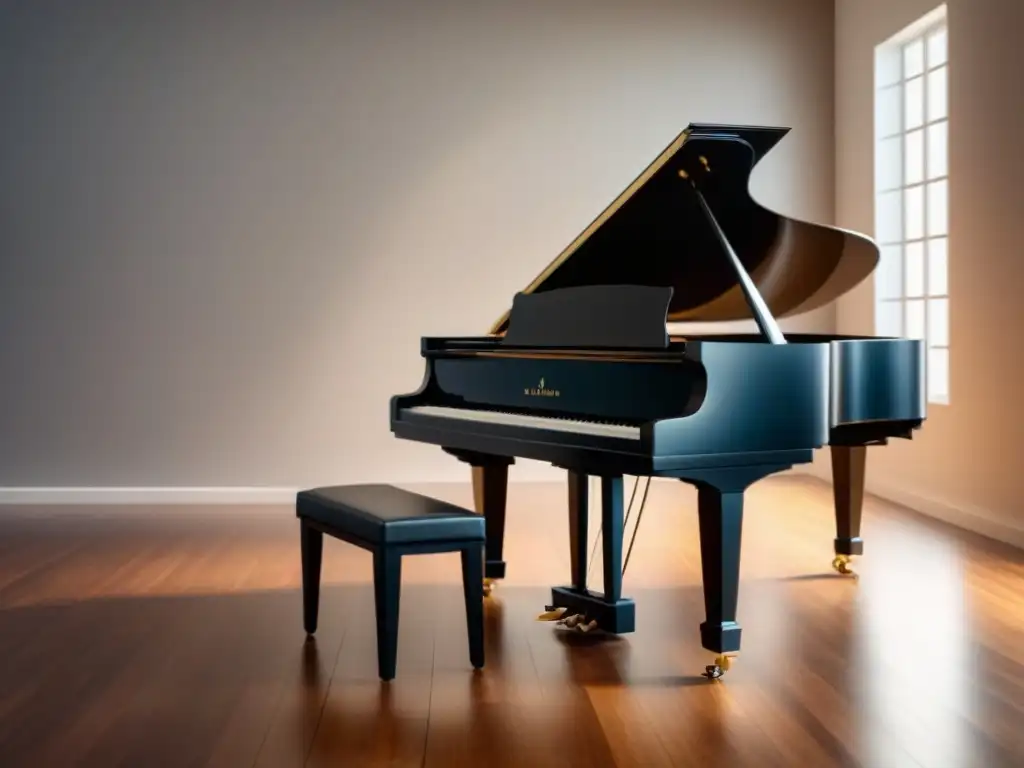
x: 961, y: 515
x: 177, y: 496
x: 970, y: 518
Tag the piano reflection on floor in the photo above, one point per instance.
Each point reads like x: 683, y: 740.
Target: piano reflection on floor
x: 581, y: 372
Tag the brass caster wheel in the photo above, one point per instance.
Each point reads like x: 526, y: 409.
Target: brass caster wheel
x: 719, y: 668
x: 841, y: 564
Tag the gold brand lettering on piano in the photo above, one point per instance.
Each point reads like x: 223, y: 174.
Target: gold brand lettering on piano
x: 541, y: 391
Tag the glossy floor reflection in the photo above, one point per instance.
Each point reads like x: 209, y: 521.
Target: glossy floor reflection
x: 172, y: 637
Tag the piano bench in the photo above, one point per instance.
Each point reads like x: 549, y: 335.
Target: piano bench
x: 391, y: 522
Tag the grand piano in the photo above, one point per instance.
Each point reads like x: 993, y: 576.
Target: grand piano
x: 582, y: 372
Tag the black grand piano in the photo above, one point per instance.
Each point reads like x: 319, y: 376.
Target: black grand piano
x: 583, y: 373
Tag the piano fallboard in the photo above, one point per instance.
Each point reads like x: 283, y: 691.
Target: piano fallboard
x: 628, y: 386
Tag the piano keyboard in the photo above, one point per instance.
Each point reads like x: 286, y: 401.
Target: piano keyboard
x: 524, y: 420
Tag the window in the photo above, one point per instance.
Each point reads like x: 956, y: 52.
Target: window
x: 912, y: 192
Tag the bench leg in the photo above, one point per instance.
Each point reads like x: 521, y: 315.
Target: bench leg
x: 387, y: 583
x: 312, y: 546
x: 473, y: 587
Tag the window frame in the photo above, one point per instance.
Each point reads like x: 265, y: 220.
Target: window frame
x: 889, y: 292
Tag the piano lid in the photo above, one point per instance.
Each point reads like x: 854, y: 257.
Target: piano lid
x: 656, y: 234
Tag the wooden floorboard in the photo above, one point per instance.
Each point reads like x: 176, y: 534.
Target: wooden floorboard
x: 163, y: 636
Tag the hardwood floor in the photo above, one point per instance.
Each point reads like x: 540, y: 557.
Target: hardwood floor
x: 173, y: 637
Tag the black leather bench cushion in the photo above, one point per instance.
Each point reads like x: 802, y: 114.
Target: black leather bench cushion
x: 383, y: 514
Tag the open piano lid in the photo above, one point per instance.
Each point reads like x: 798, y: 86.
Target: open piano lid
x: 656, y: 234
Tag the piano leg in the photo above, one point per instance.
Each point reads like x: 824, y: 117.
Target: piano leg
x: 490, y: 492
x: 721, y: 526
x: 720, y: 514
x: 610, y: 612
x: 611, y: 536
x: 848, y: 465
x: 579, y: 509
x: 579, y: 519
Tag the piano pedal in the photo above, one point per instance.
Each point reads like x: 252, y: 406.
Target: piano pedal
x: 551, y: 614
x: 719, y: 668
x: 489, y: 585
x: 588, y: 627
x: 841, y: 564
x: 577, y: 622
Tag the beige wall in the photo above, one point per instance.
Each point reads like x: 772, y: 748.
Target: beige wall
x: 965, y: 465
x: 226, y: 225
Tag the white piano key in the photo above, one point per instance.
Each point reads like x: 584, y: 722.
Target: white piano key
x: 523, y: 420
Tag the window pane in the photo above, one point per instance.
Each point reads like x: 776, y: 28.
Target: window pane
x: 938, y: 136
x: 937, y: 48
x: 937, y: 212
x: 915, y: 319
x: 914, y: 254
x: 937, y: 94
x: 937, y: 267
x: 888, y: 65
x: 888, y: 165
x: 889, y: 216
x: 913, y: 150
x: 938, y: 322
x: 938, y: 374
x: 913, y: 213
x: 913, y: 103
x: 887, y: 112
x: 889, y: 276
x: 889, y: 318
x: 913, y: 58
